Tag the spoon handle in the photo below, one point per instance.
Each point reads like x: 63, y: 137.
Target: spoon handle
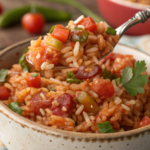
x: 140, y: 17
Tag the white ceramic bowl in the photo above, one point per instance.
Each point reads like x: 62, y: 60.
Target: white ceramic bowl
x: 19, y: 133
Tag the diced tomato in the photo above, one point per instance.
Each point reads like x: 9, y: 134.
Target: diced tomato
x: 34, y: 81
x: 118, y: 62
x: 37, y: 102
x: 144, y: 122
x: 61, y: 33
x: 89, y: 24
x: 39, y: 48
x: 103, y: 87
x: 4, y: 93
x: 65, y: 100
x: 110, y: 57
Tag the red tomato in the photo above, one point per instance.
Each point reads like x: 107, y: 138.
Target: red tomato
x: 34, y: 81
x: 89, y: 24
x: 33, y: 22
x: 60, y: 33
x: 0, y: 8
x: 4, y: 93
x: 144, y: 122
x: 103, y: 88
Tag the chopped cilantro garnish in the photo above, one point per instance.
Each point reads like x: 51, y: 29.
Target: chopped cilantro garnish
x: 71, y: 78
x: 132, y: 79
x: 108, y: 75
x: 22, y: 62
x: 105, y: 127
x: 15, y: 107
x: 3, y: 75
x: 123, y: 102
x: 34, y: 75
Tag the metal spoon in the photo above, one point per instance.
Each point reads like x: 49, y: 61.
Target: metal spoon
x: 139, y: 17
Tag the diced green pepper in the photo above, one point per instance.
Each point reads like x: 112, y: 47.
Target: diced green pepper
x: 54, y: 42
x: 79, y: 34
x: 111, y: 31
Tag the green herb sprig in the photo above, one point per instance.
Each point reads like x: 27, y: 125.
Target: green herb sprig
x: 108, y: 75
x: 22, y: 62
x: 105, y: 127
x: 3, y: 75
x: 71, y: 78
x: 15, y: 107
x: 132, y: 79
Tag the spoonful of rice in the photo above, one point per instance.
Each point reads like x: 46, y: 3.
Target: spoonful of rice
x: 82, y: 43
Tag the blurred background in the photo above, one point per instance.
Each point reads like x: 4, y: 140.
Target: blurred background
x: 115, y: 12
x: 15, y: 33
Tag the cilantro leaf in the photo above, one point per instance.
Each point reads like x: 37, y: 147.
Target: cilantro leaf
x: 105, y: 127
x: 71, y: 78
x: 3, y: 75
x: 118, y: 81
x: 139, y: 68
x: 126, y: 76
x: 136, y: 84
x: 108, y: 75
x: 132, y: 79
x: 22, y: 62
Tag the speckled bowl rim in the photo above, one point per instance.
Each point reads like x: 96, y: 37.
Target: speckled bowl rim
x: 26, y: 123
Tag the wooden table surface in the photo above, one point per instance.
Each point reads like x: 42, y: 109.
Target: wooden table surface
x: 16, y: 33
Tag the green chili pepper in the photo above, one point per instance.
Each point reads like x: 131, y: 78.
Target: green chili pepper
x: 79, y: 34
x: 15, y: 107
x: 14, y: 16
